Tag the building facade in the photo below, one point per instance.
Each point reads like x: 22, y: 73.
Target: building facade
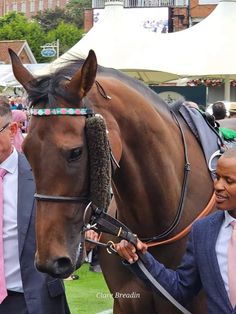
x: 29, y: 7
x: 182, y: 13
x: 200, y: 9
x: 20, y: 47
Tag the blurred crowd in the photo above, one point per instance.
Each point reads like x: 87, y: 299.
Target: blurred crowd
x: 19, y: 115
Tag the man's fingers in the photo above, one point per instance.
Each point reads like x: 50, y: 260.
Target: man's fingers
x: 92, y: 235
x: 127, y: 251
x: 142, y: 246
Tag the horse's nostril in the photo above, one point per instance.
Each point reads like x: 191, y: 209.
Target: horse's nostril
x: 63, y: 262
x: 63, y: 265
x: 60, y: 268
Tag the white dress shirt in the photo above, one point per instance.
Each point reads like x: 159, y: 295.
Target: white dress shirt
x: 10, y: 232
x: 222, y: 247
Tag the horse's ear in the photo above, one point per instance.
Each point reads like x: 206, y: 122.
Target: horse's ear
x: 22, y: 75
x: 83, y: 79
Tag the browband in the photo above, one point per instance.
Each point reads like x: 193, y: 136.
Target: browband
x: 61, y: 112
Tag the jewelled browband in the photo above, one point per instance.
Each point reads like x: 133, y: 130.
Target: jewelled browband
x: 61, y: 112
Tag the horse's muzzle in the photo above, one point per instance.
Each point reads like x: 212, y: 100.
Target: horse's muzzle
x: 60, y: 267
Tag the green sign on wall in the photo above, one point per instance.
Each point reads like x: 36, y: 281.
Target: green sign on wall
x: 170, y: 94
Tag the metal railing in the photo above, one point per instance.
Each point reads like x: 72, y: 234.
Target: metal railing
x: 100, y: 4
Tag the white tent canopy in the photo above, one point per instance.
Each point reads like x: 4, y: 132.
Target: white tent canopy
x: 206, y: 49
x: 117, y: 40
x: 7, y: 78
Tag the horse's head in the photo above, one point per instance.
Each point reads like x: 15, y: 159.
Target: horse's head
x: 57, y: 150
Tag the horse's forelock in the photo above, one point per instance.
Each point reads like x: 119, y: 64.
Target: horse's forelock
x: 46, y: 88
x: 38, y: 90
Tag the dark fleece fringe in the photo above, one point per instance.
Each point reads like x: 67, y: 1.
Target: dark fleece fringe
x: 100, y: 163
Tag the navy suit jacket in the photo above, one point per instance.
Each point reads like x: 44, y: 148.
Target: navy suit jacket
x: 43, y: 294
x: 199, y: 268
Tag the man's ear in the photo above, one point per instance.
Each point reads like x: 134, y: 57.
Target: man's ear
x: 13, y: 128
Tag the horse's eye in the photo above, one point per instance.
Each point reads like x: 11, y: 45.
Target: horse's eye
x: 74, y: 154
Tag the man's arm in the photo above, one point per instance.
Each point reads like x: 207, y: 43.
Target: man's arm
x: 182, y: 284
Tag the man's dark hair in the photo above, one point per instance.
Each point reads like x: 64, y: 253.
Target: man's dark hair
x: 5, y: 113
x: 219, y: 110
x: 4, y: 101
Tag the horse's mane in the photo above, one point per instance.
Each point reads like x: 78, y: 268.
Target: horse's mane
x: 45, y: 88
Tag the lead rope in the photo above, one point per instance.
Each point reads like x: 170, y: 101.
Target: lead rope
x: 102, y: 222
x: 109, y: 246
x: 160, y: 288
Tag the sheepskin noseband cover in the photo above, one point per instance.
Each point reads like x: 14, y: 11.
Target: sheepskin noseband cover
x: 99, y: 161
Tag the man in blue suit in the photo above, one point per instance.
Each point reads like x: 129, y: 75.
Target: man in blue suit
x: 27, y: 290
x: 205, y: 263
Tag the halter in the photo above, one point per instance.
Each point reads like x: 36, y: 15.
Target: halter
x: 42, y: 112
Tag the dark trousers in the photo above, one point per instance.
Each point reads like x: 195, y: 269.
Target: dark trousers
x: 14, y: 304
x: 94, y: 259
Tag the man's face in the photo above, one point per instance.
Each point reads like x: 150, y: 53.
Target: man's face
x: 6, y: 138
x: 225, y: 184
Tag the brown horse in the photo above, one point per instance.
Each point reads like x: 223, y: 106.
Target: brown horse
x: 148, y: 146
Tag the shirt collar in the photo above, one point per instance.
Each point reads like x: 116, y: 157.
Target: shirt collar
x: 228, y: 219
x: 10, y: 164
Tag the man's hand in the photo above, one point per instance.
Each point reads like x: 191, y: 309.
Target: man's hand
x: 92, y: 235
x: 128, y: 252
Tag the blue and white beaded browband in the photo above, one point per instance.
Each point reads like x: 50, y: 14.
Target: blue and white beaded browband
x: 61, y: 112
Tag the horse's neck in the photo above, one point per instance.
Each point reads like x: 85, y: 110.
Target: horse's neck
x: 146, y: 144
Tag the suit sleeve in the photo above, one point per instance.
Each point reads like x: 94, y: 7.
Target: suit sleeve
x: 182, y: 283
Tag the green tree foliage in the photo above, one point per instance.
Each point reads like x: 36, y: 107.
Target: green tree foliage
x: 68, y: 34
x: 72, y: 14
x: 75, y: 9
x: 50, y: 19
x: 15, y: 26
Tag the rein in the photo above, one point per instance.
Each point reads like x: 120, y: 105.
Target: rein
x: 183, y: 190
x: 186, y: 230
x: 151, y: 242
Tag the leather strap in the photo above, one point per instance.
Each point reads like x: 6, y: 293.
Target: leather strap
x: 186, y: 230
x: 160, y: 288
